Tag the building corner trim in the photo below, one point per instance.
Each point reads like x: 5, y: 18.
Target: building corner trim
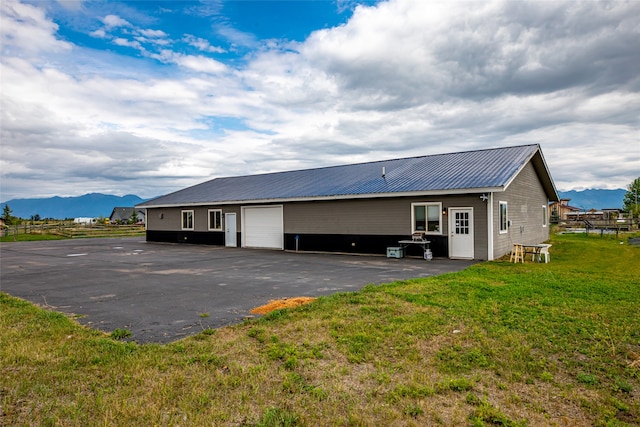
x: 490, y: 227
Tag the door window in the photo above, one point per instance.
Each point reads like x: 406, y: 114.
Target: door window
x: 462, y: 222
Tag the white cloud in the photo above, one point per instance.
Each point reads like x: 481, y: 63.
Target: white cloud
x: 399, y: 79
x: 237, y: 37
x: 202, y: 44
x: 200, y: 64
x: 153, y: 33
x: 26, y: 31
x: 113, y: 30
x: 124, y: 42
x: 112, y: 21
x: 99, y: 33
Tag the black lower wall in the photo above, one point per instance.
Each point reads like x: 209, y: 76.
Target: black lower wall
x: 357, y: 244
x: 361, y: 244
x: 195, y: 237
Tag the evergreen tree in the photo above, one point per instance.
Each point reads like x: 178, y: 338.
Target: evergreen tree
x: 7, y: 215
x: 631, y: 199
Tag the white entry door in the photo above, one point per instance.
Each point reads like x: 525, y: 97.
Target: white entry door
x: 461, y: 233
x: 230, y: 235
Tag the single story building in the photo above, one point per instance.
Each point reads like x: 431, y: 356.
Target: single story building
x: 124, y: 214
x: 469, y: 205
x: 84, y: 220
x: 596, y: 215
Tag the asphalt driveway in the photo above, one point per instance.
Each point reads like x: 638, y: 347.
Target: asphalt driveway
x: 163, y: 292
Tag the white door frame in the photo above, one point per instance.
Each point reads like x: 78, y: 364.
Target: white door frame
x: 231, y: 228
x: 468, y: 240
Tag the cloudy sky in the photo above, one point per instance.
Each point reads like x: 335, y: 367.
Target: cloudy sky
x: 147, y: 97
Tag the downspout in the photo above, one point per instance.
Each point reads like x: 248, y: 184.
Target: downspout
x: 490, y: 227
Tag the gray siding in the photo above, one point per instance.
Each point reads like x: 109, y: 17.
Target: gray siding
x: 372, y: 217
x: 170, y: 219
x: 383, y: 216
x: 525, y: 198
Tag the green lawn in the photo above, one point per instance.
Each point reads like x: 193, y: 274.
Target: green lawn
x: 497, y: 344
x: 30, y: 237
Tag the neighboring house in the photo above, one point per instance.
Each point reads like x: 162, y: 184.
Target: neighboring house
x: 470, y: 205
x: 124, y: 215
x: 561, y: 208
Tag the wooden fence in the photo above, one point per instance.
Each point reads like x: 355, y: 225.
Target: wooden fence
x: 74, y: 231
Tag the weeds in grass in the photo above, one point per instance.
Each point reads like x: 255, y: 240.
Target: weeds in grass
x: 276, y: 417
x: 487, y: 414
x: 413, y: 411
x: 208, y: 332
x: 587, y: 378
x: 622, y: 386
x: 258, y: 333
x: 120, y: 334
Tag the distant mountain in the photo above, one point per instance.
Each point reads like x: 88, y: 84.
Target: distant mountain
x: 594, y: 198
x: 92, y: 205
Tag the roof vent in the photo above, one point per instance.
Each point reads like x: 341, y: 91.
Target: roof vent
x: 384, y: 172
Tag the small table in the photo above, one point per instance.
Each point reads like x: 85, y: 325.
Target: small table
x: 536, y: 251
x: 422, y: 243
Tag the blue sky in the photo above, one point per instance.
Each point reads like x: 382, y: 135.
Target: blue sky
x: 147, y: 97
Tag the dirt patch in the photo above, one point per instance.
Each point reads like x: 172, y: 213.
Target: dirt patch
x: 277, y: 304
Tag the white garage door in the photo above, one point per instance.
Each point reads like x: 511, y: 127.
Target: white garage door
x: 263, y: 227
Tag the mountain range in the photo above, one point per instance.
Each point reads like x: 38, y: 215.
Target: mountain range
x: 594, y: 198
x: 95, y: 205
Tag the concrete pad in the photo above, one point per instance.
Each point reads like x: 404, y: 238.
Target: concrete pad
x: 163, y: 292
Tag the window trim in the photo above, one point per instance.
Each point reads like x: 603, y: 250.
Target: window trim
x: 545, y: 216
x: 182, y: 219
x: 209, y: 212
x: 426, y: 212
x: 503, y: 223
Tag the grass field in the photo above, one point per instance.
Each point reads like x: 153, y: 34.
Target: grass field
x: 30, y: 237
x: 497, y: 344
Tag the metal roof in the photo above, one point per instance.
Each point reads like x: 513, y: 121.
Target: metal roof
x: 481, y: 170
x: 123, y: 213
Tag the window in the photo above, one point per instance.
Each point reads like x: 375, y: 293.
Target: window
x: 187, y: 220
x: 503, y: 219
x: 215, y: 219
x: 545, y: 211
x: 426, y: 218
